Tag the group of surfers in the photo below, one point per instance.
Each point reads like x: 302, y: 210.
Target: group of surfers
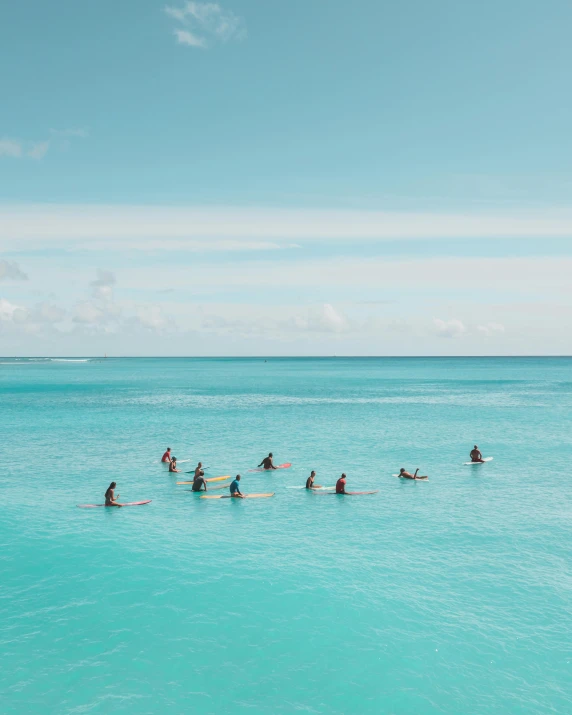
x: 200, y: 484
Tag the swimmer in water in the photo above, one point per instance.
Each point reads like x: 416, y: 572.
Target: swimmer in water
x: 405, y: 475
x: 167, y: 456
x: 235, y: 488
x: 341, y: 485
x: 173, y: 465
x: 110, y: 499
x: 310, y: 482
x: 475, y: 455
x: 267, y: 462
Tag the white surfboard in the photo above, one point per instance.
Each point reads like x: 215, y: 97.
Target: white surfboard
x: 485, y: 459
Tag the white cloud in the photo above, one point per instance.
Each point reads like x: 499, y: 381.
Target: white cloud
x: 321, y: 319
x: 88, y: 313
x: 184, y: 37
x: 8, y: 310
x: 38, y: 150
x: 10, y: 147
x: 151, y: 317
x: 202, y: 20
x: 102, y: 287
x: 449, y: 328
x: 151, y: 223
x: 11, y: 271
x: 80, y: 132
x: 491, y: 329
x: 20, y: 149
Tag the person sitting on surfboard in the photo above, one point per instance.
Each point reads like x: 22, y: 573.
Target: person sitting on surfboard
x: 110, y: 496
x: 310, y: 482
x: 341, y: 485
x: 167, y: 456
x: 475, y: 455
x: 199, y: 479
x: 267, y: 462
x: 235, y: 488
x: 173, y: 465
x: 405, y: 475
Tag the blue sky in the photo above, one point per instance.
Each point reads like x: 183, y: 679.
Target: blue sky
x: 303, y: 177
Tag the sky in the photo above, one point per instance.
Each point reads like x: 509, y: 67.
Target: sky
x: 311, y: 177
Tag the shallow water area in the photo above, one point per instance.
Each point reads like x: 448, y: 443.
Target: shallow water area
x: 448, y: 596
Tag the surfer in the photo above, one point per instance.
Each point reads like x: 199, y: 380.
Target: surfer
x: 406, y: 475
x: 310, y: 482
x: 110, y: 496
x: 475, y: 455
x: 341, y: 485
x: 173, y: 465
x: 199, y: 470
x: 235, y: 488
x: 267, y: 462
x: 199, y: 482
x: 167, y: 456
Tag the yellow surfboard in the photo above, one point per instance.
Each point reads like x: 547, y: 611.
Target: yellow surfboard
x: 210, y: 479
x: 246, y: 496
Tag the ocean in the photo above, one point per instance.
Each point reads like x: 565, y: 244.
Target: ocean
x: 447, y: 596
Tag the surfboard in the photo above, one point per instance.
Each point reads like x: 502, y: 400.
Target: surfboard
x: 246, y: 496
x: 211, y: 479
x: 417, y: 479
x: 286, y: 465
x: 130, y: 503
x: 351, y: 494
x: 313, y: 489
x: 224, y: 486
x: 205, y: 469
x: 485, y: 459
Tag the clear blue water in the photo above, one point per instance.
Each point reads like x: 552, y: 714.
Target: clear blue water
x: 451, y: 596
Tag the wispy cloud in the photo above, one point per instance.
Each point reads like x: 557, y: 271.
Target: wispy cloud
x: 201, y: 22
x: 25, y: 149
x: 102, y: 287
x: 11, y: 271
x: 249, y: 225
x: 449, y: 328
x: 491, y: 329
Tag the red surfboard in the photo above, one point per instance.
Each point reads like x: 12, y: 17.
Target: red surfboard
x: 279, y: 466
x: 129, y: 503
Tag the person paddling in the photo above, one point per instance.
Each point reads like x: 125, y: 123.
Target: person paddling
x: 475, y: 455
x: 341, y: 485
x: 110, y: 499
x: 310, y: 482
x: 235, y: 488
x: 173, y: 465
x: 167, y: 456
x: 267, y: 462
x: 407, y: 475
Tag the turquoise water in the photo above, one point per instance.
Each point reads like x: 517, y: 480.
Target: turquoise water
x: 451, y: 596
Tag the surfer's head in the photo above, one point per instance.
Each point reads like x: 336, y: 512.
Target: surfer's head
x: 343, y: 476
x: 168, y: 449
x: 238, y: 477
x: 313, y: 473
x: 401, y: 470
x: 475, y: 447
x: 112, y: 485
x: 270, y: 454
